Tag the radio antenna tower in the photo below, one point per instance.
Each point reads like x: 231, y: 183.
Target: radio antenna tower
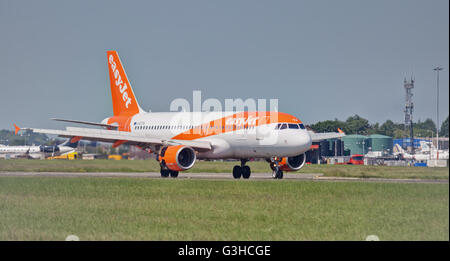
x: 409, y: 85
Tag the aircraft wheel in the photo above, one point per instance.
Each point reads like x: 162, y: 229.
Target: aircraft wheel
x: 246, y: 172
x: 280, y: 174
x: 277, y: 174
x: 164, y: 173
x: 173, y: 174
x: 237, y: 172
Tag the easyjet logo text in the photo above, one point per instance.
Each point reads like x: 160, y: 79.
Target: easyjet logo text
x: 242, y: 121
x: 119, y: 82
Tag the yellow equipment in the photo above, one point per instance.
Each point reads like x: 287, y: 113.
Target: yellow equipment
x: 68, y: 156
x: 115, y: 157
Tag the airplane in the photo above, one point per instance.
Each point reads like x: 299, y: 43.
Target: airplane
x: 427, y: 147
x: 425, y: 153
x: 37, y: 152
x: 179, y: 138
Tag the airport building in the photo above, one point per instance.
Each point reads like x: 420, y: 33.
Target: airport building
x: 349, y: 145
x: 406, y: 142
x: 356, y: 144
x: 325, y: 148
x: 380, y: 143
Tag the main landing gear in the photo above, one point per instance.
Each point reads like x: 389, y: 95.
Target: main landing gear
x: 242, y: 171
x: 166, y: 172
x: 275, y: 166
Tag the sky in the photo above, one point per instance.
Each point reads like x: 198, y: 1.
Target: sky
x: 321, y: 59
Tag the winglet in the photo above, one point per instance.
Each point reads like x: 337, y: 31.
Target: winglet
x: 17, y: 129
x: 340, y: 131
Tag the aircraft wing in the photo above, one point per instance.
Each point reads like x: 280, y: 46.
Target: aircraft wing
x: 325, y: 135
x: 113, y: 127
x: 122, y: 137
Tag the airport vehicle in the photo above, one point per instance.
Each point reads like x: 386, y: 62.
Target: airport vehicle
x: 355, y: 159
x: 67, y: 156
x: 38, y: 152
x: 179, y: 138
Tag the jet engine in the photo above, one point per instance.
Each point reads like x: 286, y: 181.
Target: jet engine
x: 177, y: 158
x: 49, y: 149
x: 291, y: 163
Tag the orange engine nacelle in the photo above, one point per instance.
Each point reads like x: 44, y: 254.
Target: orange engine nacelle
x: 177, y: 158
x: 293, y: 163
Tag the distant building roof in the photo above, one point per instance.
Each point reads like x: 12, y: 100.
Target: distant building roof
x: 378, y: 136
x: 354, y: 136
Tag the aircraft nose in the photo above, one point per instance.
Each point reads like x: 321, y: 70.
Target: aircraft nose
x: 302, y: 142
x: 307, y: 141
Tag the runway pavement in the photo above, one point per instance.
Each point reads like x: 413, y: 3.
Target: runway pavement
x: 218, y: 176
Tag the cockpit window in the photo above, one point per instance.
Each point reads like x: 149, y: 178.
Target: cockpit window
x: 302, y: 126
x: 281, y: 126
x: 293, y: 126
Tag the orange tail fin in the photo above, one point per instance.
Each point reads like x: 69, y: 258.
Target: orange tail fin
x: 123, y: 99
x: 17, y: 129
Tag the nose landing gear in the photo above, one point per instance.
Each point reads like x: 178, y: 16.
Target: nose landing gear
x: 275, y: 166
x: 242, y: 171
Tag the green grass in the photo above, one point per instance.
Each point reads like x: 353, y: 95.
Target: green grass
x: 47, y: 208
x: 378, y: 171
x: 219, y: 167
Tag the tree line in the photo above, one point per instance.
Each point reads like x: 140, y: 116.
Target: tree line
x: 358, y: 125
x: 25, y: 137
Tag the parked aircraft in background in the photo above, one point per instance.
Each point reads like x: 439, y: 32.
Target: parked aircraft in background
x: 179, y: 138
x: 426, y: 152
x: 37, y: 152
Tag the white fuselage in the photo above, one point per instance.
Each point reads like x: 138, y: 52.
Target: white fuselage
x: 230, y: 137
x: 17, y: 151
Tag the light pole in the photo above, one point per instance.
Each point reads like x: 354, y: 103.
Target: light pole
x: 431, y: 146
x: 437, y: 69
